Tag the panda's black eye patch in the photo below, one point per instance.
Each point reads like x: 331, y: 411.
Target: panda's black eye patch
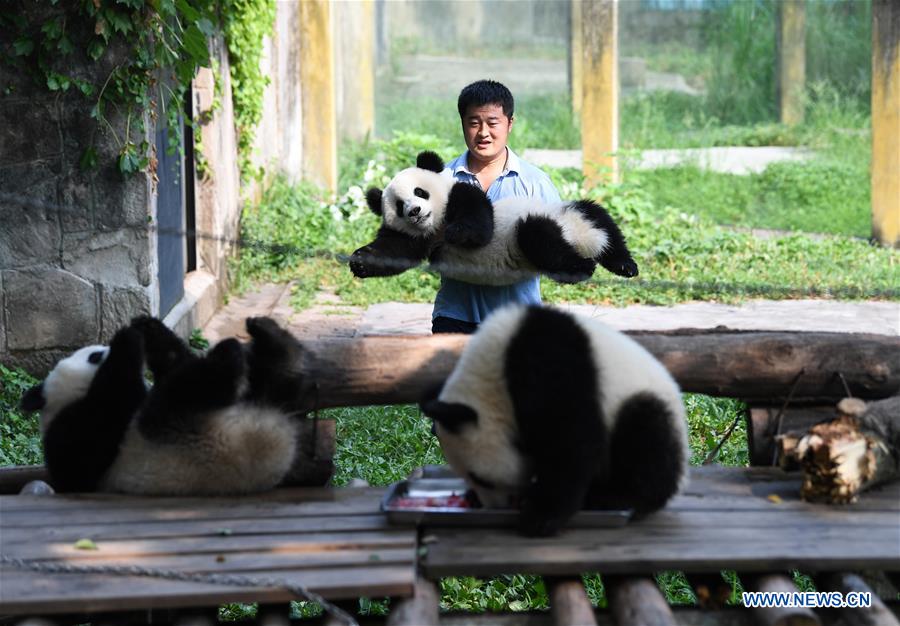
x: 481, y: 482
x: 95, y: 357
x: 421, y: 193
x: 399, y: 207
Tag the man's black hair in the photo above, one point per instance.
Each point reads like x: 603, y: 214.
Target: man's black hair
x: 484, y: 92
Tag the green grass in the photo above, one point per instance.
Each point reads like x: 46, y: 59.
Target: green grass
x: 20, y: 437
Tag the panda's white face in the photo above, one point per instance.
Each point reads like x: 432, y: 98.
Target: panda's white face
x: 69, y: 381
x: 414, y: 202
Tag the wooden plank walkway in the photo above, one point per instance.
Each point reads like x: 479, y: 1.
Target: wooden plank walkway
x: 728, y: 518
x: 332, y: 541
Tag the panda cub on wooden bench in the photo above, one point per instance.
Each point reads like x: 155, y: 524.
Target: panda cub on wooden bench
x: 554, y: 413
x: 210, y: 425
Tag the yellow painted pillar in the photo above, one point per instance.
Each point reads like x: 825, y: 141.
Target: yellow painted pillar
x: 576, y: 57
x: 600, y: 89
x: 886, y: 122
x: 791, y: 60
x: 355, y: 57
x: 317, y: 87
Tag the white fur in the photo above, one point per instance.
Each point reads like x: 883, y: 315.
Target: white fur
x: 242, y: 449
x: 69, y: 381
x: 624, y: 368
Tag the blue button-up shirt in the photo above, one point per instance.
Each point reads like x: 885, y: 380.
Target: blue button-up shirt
x: 473, y: 303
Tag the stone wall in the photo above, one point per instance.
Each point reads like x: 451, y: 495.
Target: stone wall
x: 77, y: 253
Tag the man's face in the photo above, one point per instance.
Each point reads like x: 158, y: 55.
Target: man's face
x: 486, y: 129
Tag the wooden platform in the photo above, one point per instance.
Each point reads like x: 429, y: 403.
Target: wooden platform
x: 336, y: 542
x: 333, y: 541
x: 745, y: 519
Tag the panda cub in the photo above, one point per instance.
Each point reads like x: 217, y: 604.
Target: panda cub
x: 554, y: 413
x: 211, y: 425
x: 456, y: 226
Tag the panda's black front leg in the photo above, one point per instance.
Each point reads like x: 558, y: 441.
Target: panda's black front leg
x: 163, y: 349
x: 273, y: 365
x: 390, y: 254
x: 469, y: 218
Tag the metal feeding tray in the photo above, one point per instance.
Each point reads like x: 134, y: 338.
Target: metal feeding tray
x: 445, y: 487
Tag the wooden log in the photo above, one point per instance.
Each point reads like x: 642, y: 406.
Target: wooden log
x: 420, y: 609
x: 877, y: 614
x: 842, y: 457
x: 637, y: 601
x: 569, y: 603
x: 273, y: 615
x: 763, y: 427
x: 756, y: 366
x: 778, y: 616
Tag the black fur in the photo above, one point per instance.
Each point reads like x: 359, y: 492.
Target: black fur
x: 33, y: 399
x: 469, y: 219
x: 553, y: 386
x: 616, y: 258
x: 451, y: 415
x: 164, y: 350
x: 373, y: 199
x: 428, y: 160
x: 83, y: 440
x: 646, y: 458
x: 273, y: 362
x: 541, y: 241
x: 391, y: 253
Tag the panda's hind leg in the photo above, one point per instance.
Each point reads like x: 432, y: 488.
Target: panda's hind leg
x: 647, y: 458
x: 273, y: 363
x: 163, y: 349
x: 191, y: 391
x: 616, y: 257
x: 541, y: 241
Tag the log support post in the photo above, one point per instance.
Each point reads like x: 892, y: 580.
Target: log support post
x: 600, y: 90
x: 886, y: 122
x: 317, y: 78
x: 569, y: 603
x: 778, y: 616
x: 877, y: 614
x: 421, y: 609
x: 637, y: 600
x: 791, y: 60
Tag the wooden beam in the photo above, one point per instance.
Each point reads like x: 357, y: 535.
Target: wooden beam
x: 318, y: 89
x: 758, y: 366
x: 877, y: 614
x: 569, y: 603
x: 778, y: 616
x: 600, y: 90
x: 791, y: 60
x: 637, y: 600
x: 420, y: 609
x: 886, y: 122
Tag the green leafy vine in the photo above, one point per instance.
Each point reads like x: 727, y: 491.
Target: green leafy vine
x: 153, y: 49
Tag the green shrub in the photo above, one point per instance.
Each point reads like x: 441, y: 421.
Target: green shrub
x: 20, y: 434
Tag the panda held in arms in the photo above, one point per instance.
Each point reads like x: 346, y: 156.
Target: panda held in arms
x: 455, y: 225
x: 554, y: 413
x: 210, y: 425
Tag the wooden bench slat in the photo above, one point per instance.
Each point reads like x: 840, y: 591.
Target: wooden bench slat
x: 25, y: 591
x: 203, y: 528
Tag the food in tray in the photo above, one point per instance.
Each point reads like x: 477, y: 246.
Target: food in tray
x: 454, y: 501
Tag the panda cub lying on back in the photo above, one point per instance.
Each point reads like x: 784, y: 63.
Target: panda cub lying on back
x: 455, y: 225
x: 213, y: 424
x: 556, y: 413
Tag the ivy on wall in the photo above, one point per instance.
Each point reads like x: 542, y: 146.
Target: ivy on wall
x: 153, y: 48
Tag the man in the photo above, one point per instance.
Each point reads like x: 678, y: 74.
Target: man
x: 486, y: 110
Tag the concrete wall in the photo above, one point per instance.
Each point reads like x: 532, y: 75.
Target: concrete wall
x: 279, y: 145
x: 77, y: 252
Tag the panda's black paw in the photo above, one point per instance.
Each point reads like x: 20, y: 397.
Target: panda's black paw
x: 621, y: 267
x: 576, y: 272
x: 263, y: 327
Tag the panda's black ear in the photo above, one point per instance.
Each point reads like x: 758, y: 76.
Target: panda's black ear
x: 429, y: 160
x: 373, y: 199
x: 451, y: 415
x: 34, y: 398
